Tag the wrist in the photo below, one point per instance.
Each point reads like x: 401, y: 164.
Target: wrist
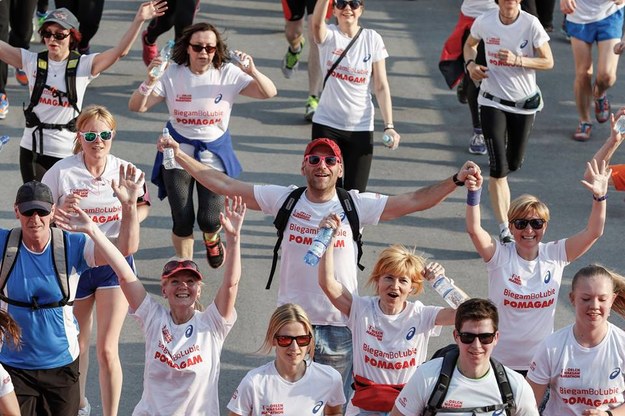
x: 473, y: 197
x: 609, y: 413
x: 466, y: 64
x: 600, y: 198
x: 389, y: 126
x: 145, y: 89
x: 457, y: 181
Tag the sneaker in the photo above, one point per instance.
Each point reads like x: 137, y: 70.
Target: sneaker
x: 583, y: 132
x: 461, y: 94
x: 86, y: 410
x: 150, y: 51
x: 291, y: 60
x: 214, y: 252
x: 311, y: 106
x: 505, y: 237
x: 477, y: 145
x: 4, y: 106
x: 21, y: 77
x: 41, y: 16
x: 602, y: 108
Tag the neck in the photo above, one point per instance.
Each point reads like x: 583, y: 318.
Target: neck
x: 36, y: 243
x: 58, y: 57
x: 319, y: 196
x: 527, y: 254
x: 182, y: 315
x: 509, y: 16
x: 473, y: 372
x: 289, y: 372
x: 349, y: 29
x: 198, y: 70
x: 95, y: 166
x: 591, y: 336
x: 391, y: 309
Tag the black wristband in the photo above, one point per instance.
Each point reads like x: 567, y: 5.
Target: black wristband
x: 466, y: 64
x: 609, y: 413
x: 456, y: 180
x: 600, y: 198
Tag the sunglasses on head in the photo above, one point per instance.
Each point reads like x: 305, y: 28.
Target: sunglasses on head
x: 536, y: 224
x: 314, y: 160
x: 39, y: 212
x: 199, y: 48
x: 286, y: 340
x: 46, y: 34
x: 468, y: 337
x: 342, y: 4
x: 90, y: 136
x: 172, y: 265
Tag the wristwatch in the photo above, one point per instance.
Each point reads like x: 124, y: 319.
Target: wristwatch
x: 457, y: 181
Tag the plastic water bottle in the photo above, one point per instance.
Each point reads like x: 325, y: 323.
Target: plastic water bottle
x: 234, y: 57
x: 4, y: 140
x: 619, y: 126
x: 166, y: 52
x: 444, y: 287
x: 388, y: 140
x: 319, y: 246
x: 169, y: 162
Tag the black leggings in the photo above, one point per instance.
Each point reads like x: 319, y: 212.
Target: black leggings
x: 179, y: 185
x: 506, y: 136
x: 88, y: 13
x: 180, y: 14
x: 16, y: 15
x: 34, y: 171
x: 469, y: 86
x: 357, y: 150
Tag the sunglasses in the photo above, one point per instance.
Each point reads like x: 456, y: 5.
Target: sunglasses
x: 58, y: 36
x: 90, y: 136
x: 342, y: 4
x: 286, y: 340
x: 314, y: 160
x: 39, y: 212
x: 468, y: 337
x: 536, y: 224
x: 200, y: 48
x: 172, y: 265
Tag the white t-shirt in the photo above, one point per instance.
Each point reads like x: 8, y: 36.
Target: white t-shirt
x: 70, y: 176
x: 580, y: 378
x: 526, y: 294
x: 346, y: 100
x: 56, y: 143
x: 475, y: 8
x: 6, y: 385
x: 463, y: 392
x: 388, y: 348
x: 521, y: 38
x: 299, y: 281
x: 264, y: 392
x: 588, y: 11
x: 181, y: 361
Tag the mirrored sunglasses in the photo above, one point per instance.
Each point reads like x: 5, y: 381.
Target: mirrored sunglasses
x: 314, y: 160
x: 39, y: 212
x: 200, y: 48
x: 173, y: 265
x: 342, y: 4
x: 46, y: 34
x: 90, y: 136
x: 536, y: 223
x: 468, y: 337
x: 286, y: 340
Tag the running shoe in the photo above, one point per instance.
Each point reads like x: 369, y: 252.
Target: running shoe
x: 150, y: 51
x: 583, y: 132
x: 4, y: 106
x: 602, y: 108
x: 86, y: 410
x: 21, y: 77
x: 505, y: 237
x: 461, y: 94
x: 311, y: 107
x: 291, y: 60
x: 41, y: 16
x: 214, y: 252
x: 477, y: 145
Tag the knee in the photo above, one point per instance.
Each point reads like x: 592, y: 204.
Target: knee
x: 108, y: 356
x: 583, y: 75
x: 209, y: 223
x: 182, y: 230
x: 605, y: 80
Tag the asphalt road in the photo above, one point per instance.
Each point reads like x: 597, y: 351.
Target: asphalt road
x: 270, y: 136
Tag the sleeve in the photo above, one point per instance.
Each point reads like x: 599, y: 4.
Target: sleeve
x: 476, y: 28
x: 540, y: 367
x: 29, y: 65
x: 51, y: 179
x: 242, y: 400
x: 415, y: 394
x: 6, y: 385
x: 338, y: 396
x: 213, y: 319
x: 540, y: 35
x: 271, y: 197
x: 524, y: 397
x: 556, y: 250
x: 355, y: 312
x: 369, y: 206
x: 146, y: 314
x: 428, y: 316
x: 80, y: 252
x: 242, y: 79
x: 501, y: 256
x: 379, y: 48
x: 85, y: 65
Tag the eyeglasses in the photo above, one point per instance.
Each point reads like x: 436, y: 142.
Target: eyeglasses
x: 39, y: 212
x: 314, y: 160
x: 536, y: 224
x: 90, y: 136
x: 342, y: 4
x: 199, y: 48
x: 170, y: 266
x: 46, y: 34
x: 286, y: 340
x: 468, y: 337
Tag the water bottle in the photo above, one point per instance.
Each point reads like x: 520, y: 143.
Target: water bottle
x: 445, y: 287
x: 234, y: 57
x: 169, y: 162
x: 4, y: 140
x: 166, y: 52
x: 619, y: 126
x: 388, y: 140
x: 319, y: 246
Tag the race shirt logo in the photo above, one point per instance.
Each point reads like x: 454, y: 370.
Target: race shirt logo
x: 272, y: 409
x: 218, y: 98
x: 570, y: 373
x: 184, y: 98
x: 452, y: 404
x: 301, y: 215
x: 614, y: 374
x: 367, y: 58
x: 82, y: 192
x: 235, y: 394
x: 376, y: 333
x: 493, y: 41
x: 167, y: 335
x: 538, y: 300
x: 317, y: 407
x: 547, y: 278
x: 515, y: 279
x: 389, y: 360
x: 189, y: 331
x: 524, y: 44
x: 411, y: 333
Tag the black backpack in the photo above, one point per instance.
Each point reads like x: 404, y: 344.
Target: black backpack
x: 285, y: 213
x: 450, y: 357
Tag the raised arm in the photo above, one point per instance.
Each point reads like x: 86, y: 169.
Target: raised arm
x: 147, y: 11
x: 581, y: 242
x: 261, y: 87
x: 424, y: 198
x: 446, y: 316
x: 142, y: 99
x: 216, y: 181
x: 334, y: 290
x: 318, y: 21
x: 482, y: 241
x: 606, y: 151
x: 10, y: 55
x: 231, y: 222
x: 383, y: 96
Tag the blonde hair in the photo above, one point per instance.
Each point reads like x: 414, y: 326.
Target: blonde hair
x: 618, y: 284
x: 286, y: 314
x: 526, y: 205
x: 398, y: 260
x: 92, y: 112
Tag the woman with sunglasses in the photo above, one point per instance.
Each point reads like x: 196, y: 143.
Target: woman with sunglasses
x: 289, y: 382
x: 85, y: 179
x: 524, y: 277
x: 50, y: 129
x: 582, y: 364
x: 390, y: 334
x: 345, y: 110
x: 199, y: 87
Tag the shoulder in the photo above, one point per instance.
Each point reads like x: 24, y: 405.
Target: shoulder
x: 324, y: 372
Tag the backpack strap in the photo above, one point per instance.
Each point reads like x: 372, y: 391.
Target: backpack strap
x: 60, y: 263
x: 11, y: 247
x: 504, y: 386
x: 347, y: 202
x: 70, y: 79
x: 280, y: 223
x: 442, y: 384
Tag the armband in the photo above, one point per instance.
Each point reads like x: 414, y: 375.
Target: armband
x: 145, y: 89
x: 600, y: 198
x: 473, y: 197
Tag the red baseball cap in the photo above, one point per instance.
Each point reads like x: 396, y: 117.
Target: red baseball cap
x: 323, y: 142
x: 174, y: 266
